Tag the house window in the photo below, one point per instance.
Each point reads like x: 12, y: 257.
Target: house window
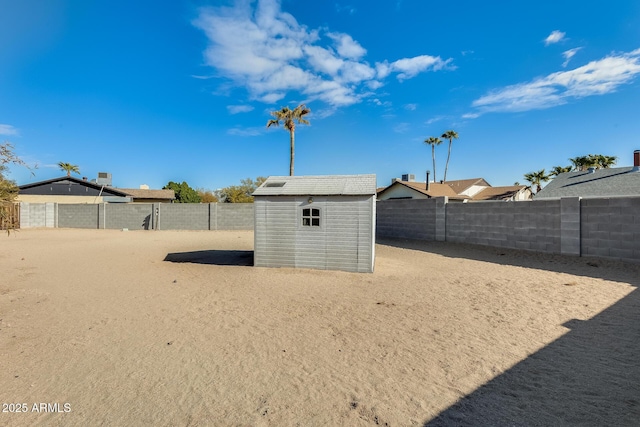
x: 311, y: 217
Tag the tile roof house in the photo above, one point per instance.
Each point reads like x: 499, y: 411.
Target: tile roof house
x: 464, y: 190
x: 468, y: 187
x: 418, y: 190
x: 609, y: 182
x: 507, y: 193
x: 145, y: 195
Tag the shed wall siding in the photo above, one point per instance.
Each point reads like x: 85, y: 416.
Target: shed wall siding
x: 342, y: 242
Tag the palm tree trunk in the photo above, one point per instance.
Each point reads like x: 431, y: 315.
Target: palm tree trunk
x: 446, y: 167
x: 292, y: 154
x: 433, y: 156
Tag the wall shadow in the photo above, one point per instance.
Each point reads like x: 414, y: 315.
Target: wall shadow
x: 580, y: 266
x: 590, y: 376
x: 146, y: 223
x: 213, y: 257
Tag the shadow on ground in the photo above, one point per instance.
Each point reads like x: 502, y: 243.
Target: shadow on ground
x: 579, y: 266
x: 588, y: 377
x: 213, y: 257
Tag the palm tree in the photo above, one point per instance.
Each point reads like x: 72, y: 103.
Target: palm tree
x: 557, y: 170
x: 289, y: 117
x: 433, y: 141
x: 68, y: 167
x: 605, y: 162
x: 537, y: 178
x: 450, y: 135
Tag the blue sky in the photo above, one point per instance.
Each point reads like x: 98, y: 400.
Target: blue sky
x: 181, y: 91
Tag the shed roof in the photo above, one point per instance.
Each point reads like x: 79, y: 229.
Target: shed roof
x: 324, y: 185
x: 608, y: 182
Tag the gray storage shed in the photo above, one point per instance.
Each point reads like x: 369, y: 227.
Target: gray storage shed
x: 323, y: 222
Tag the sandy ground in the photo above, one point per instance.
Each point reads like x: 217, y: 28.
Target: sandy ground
x: 176, y: 328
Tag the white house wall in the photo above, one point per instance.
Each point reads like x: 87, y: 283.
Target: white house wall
x: 401, y: 192
x: 473, y: 190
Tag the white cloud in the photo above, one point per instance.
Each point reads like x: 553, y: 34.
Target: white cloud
x: 347, y: 8
x: 410, y: 67
x: 195, y: 76
x: 595, y: 78
x: 401, y: 127
x: 8, y: 130
x: 323, y: 60
x: 568, y: 54
x: 253, y: 131
x: 381, y: 103
x: 470, y: 116
x: 554, y: 37
x: 346, y: 46
x: 434, y: 119
x: 411, y: 107
x: 235, y: 109
x: 254, y: 44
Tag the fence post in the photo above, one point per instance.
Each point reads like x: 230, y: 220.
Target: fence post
x: 441, y: 218
x: 570, y: 226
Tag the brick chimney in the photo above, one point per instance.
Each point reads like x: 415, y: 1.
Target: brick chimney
x: 636, y: 160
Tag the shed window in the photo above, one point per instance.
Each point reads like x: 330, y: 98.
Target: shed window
x: 311, y: 217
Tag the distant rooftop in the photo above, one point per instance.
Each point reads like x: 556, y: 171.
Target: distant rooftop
x: 609, y: 182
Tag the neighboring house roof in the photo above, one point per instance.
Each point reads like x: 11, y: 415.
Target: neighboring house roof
x: 141, y: 193
x: 499, y: 193
x: 435, y: 189
x: 610, y: 182
x: 69, y: 186
x: 318, y: 185
x: 463, y: 184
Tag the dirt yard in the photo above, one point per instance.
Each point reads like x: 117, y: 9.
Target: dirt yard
x: 104, y: 327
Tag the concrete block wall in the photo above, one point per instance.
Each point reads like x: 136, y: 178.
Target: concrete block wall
x: 408, y: 219
x: 234, y: 216
x: 480, y: 224
x: 611, y: 228
x: 183, y: 216
x: 139, y: 216
x: 133, y: 216
x: 37, y: 215
x: 571, y: 226
x: 78, y: 216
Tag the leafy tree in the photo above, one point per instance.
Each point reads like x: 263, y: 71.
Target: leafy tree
x: 537, y: 178
x: 206, y: 196
x: 433, y: 141
x: 450, y: 135
x: 241, y: 193
x: 288, y: 118
x: 557, y: 170
x: 68, y: 168
x: 8, y: 188
x: 184, y: 193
